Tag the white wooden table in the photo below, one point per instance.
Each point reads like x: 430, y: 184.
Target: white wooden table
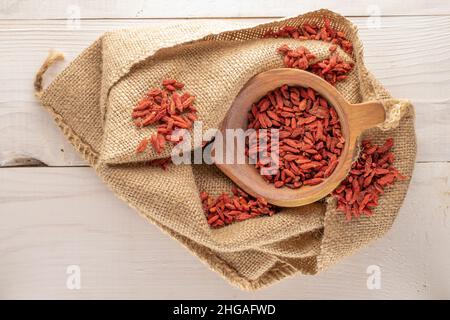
x: 54, y: 211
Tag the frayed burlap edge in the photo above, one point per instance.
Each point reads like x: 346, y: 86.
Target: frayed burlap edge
x: 278, y: 272
x: 206, y: 255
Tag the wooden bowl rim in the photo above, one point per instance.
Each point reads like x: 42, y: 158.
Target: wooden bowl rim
x: 253, y: 91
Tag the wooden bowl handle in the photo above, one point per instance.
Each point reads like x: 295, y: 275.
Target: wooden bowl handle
x: 362, y: 116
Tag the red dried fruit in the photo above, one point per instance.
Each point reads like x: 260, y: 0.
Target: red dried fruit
x: 312, y: 182
x: 298, y: 58
x: 370, y: 174
x: 168, y: 81
x: 305, y: 121
x: 142, y: 146
x: 333, y: 69
x: 309, y: 31
x: 239, y: 206
x: 167, y: 109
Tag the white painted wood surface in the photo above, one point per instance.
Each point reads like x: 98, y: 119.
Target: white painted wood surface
x: 408, y: 70
x: 47, y: 9
x: 54, y: 217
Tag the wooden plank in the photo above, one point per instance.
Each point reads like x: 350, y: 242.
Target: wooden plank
x: 405, y: 68
x: 56, y: 217
x: 212, y: 8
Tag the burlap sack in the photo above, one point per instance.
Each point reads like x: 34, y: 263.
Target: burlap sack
x: 91, y: 101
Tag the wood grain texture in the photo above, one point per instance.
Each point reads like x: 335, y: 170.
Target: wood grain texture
x: 37, y: 9
x: 409, y: 55
x: 57, y: 217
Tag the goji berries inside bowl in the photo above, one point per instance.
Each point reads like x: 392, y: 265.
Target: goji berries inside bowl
x: 308, y: 141
x: 317, y: 133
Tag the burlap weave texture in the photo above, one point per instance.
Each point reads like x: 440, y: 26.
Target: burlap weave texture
x: 92, y: 99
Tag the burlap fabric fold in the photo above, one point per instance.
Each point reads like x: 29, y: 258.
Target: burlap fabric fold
x: 91, y: 101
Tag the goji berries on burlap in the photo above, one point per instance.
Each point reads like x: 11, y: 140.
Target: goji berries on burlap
x: 309, y: 31
x: 167, y: 109
x: 310, y: 137
x: 296, y: 58
x: 102, y: 85
x: 238, y: 206
x: 333, y: 69
x: 358, y: 194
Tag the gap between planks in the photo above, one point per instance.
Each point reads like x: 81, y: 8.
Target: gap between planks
x: 212, y: 8
x: 28, y: 132
x: 52, y: 218
x: 217, y: 18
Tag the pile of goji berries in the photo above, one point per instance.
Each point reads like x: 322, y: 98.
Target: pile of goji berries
x: 238, y: 206
x: 309, y: 133
x: 373, y: 171
x: 310, y: 137
x: 296, y: 58
x: 333, y: 69
x: 309, y: 31
x: 167, y: 109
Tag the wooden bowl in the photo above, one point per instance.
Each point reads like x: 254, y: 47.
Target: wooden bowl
x: 354, y: 118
